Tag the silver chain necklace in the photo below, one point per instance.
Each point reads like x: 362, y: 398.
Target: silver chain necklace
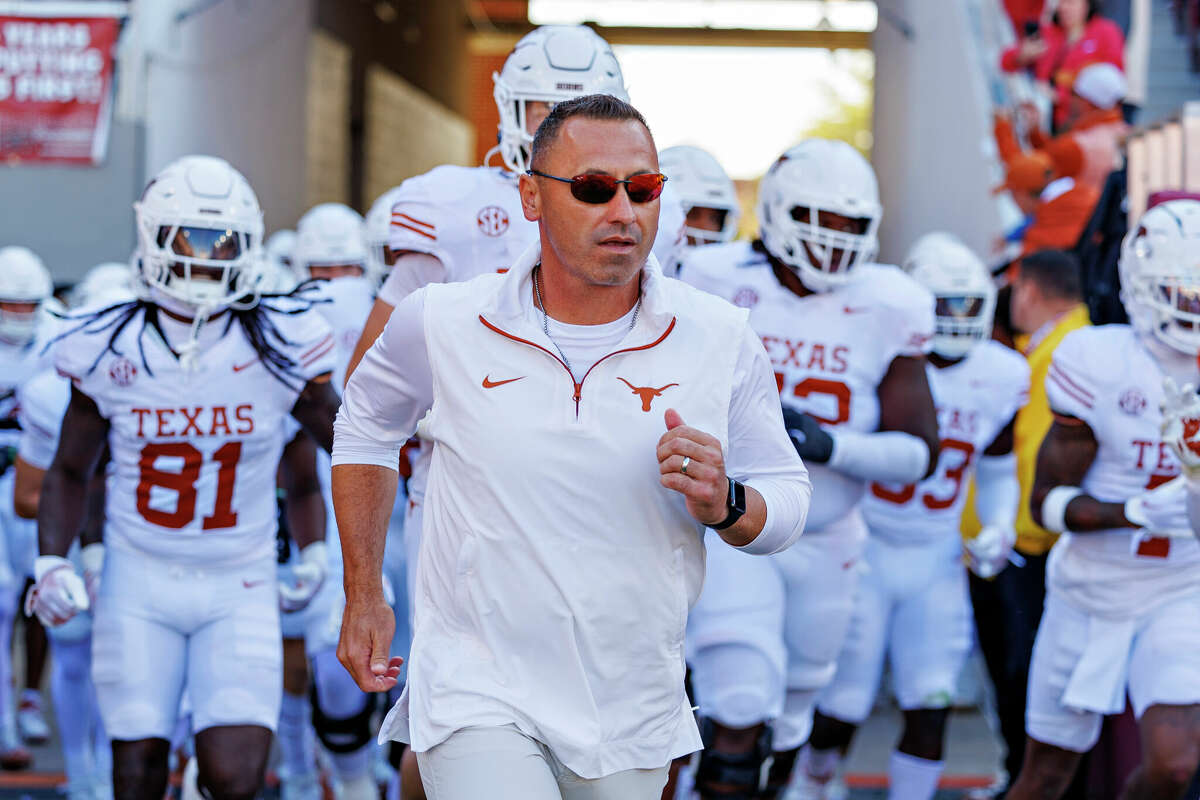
x: 537, y: 296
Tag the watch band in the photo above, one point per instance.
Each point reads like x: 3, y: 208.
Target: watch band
x: 736, y: 503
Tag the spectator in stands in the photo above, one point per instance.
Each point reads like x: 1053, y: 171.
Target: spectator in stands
x: 1076, y: 36
x: 1096, y: 122
x: 1046, y: 304
x: 1044, y: 187
x: 1026, y: 15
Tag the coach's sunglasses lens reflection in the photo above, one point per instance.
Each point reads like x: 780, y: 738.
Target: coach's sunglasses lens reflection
x: 598, y: 189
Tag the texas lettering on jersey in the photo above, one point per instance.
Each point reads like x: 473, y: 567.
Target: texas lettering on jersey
x: 829, y: 351
x: 195, y: 449
x: 196, y: 421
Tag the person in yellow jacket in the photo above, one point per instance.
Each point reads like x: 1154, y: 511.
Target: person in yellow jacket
x: 1046, y: 304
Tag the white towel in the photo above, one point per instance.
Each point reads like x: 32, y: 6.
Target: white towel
x: 1098, y: 681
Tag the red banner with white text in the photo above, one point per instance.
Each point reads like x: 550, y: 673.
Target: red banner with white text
x: 56, y: 77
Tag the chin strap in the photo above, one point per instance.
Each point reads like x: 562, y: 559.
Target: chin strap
x: 189, y: 350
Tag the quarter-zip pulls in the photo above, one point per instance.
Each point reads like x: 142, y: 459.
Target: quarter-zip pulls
x: 578, y: 384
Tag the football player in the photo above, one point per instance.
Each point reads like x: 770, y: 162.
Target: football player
x: 189, y: 387
x: 278, y: 249
x: 848, y: 340
x: 912, y: 603
x: 1122, y: 614
x: 708, y: 195
x: 330, y: 259
x: 25, y: 285
x: 378, y: 227
x: 87, y: 759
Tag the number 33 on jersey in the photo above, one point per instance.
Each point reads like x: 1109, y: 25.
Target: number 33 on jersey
x: 975, y: 399
x: 195, y: 451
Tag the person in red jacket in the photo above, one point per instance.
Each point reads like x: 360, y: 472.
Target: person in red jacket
x: 1076, y: 36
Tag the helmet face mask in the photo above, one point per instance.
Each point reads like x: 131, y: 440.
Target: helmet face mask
x: 707, y: 194
x: 1160, y: 275
x: 965, y: 296
x: 819, y: 212
x: 548, y: 65
x: 25, y: 284
x: 200, y: 234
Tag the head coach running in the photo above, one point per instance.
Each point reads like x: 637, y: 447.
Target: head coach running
x: 588, y: 418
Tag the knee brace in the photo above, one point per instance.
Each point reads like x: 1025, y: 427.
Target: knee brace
x: 733, y: 776
x: 344, y: 734
x: 341, y: 712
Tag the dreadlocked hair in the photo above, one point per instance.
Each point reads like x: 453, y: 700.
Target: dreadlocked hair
x: 261, y: 332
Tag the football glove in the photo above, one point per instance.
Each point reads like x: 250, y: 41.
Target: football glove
x: 989, y: 551
x: 306, y: 578
x: 58, y: 593
x: 1181, y: 425
x: 812, y: 442
x: 1161, y: 511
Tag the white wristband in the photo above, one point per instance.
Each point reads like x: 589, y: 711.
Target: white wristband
x: 92, y: 557
x: 1054, y: 507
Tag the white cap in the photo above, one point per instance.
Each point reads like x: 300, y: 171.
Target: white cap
x: 1102, y: 85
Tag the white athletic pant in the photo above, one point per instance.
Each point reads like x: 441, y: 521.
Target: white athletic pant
x: 161, y: 627
x: 501, y: 763
x: 764, y: 637
x: 912, y: 608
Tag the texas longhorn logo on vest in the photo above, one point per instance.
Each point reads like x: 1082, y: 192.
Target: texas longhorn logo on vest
x: 646, y: 393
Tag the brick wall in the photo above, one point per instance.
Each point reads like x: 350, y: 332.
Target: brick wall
x: 327, y: 121
x: 407, y: 133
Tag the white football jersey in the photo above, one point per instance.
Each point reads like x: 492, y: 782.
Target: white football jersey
x: 344, y: 303
x: 469, y: 218
x: 1107, y: 378
x: 43, y: 400
x: 830, y: 351
x: 17, y: 365
x: 195, y: 452
x: 975, y: 399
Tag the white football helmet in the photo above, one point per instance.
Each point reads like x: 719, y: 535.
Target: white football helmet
x: 814, y: 176
x: 277, y: 275
x: 702, y: 182
x: 329, y: 234
x: 108, y: 283
x: 671, y: 239
x: 200, y: 234
x: 550, y: 64
x: 23, y: 279
x: 279, y: 248
x: 1160, y: 275
x: 962, y: 287
x: 378, y: 224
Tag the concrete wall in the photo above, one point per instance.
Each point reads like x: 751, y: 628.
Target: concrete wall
x: 230, y: 80
x: 75, y: 217
x: 932, y: 128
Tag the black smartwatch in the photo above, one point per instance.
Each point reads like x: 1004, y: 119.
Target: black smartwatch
x: 735, y: 503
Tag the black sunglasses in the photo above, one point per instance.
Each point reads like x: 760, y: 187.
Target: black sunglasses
x: 598, y: 189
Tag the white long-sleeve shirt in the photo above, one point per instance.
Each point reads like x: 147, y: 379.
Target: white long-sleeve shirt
x: 555, y: 570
